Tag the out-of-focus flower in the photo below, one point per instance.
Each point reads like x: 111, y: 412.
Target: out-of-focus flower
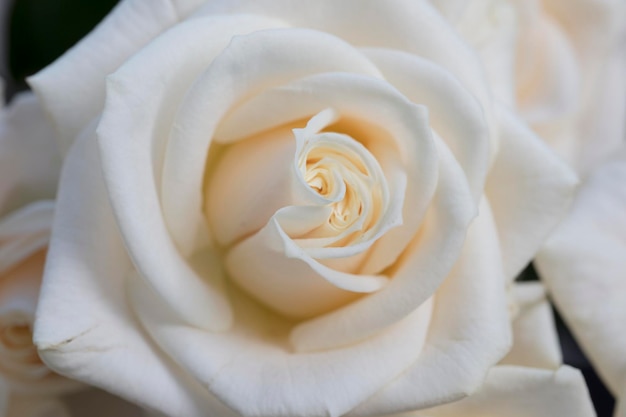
x: 29, y: 168
x: 584, y: 263
x: 560, y: 63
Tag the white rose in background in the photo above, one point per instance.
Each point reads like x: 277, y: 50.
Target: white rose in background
x: 567, y: 74
x: 584, y: 263
x: 29, y: 170
x: 560, y: 63
x: 270, y: 210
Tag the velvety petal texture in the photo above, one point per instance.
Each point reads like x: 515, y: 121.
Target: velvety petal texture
x: 89, y: 275
x: 271, y: 209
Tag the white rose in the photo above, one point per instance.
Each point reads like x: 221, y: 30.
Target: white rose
x: 29, y: 168
x: 270, y: 216
x: 560, y: 62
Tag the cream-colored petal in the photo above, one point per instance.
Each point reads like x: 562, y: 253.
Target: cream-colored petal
x: 79, y: 75
x: 252, y: 369
x: 468, y: 334
x: 226, y: 83
x: 400, y: 139
x: 411, y: 26
x: 529, y: 189
x: 29, y: 159
x: 84, y: 328
x: 522, y: 392
x: 417, y: 275
x: 454, y: 113
x: 133, y: 146
x: 535, y: 341
x: 583, y: 264
x: 249, y: 182
x: 24, y: 232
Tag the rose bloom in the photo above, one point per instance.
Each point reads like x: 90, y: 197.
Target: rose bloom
x: 280, y: 209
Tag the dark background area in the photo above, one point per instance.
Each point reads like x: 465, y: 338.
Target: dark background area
x: 38, y: 31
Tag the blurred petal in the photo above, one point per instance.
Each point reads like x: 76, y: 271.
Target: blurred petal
x: 29, y: 159
x: 278, y: 272
x: 407, y: 25
x: 529, y: 189
x: 583, y: 266
x: 535, y: 341
x: 522, y: 392
x: 24, y: 232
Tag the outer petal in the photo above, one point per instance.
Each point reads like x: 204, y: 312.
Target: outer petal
x: 583, y: 266
x: 597, y: 30
x: 535, y: 341
x: 411, y: 26
x: 29, y: 159
x: 79, y: 75
x: 252, y: 369
x: 132, y: 144
x: 83, y: 327
x: 529, y: 189
x: 24, y: 232
x: 522, y: 392
x: 468, y: 334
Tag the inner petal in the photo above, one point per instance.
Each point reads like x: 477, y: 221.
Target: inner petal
x: 344, y: 175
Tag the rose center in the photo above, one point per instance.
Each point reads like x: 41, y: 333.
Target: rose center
x: 344, y: 176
